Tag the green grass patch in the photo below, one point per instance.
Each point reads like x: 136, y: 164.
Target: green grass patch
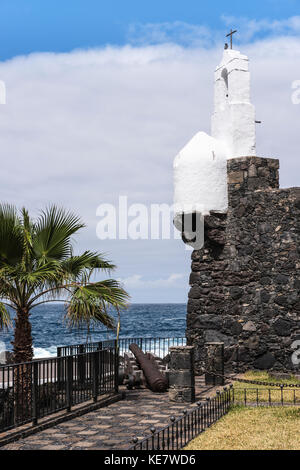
x: 265, y: 377
x: 260, y: 393
x: 252, y: 429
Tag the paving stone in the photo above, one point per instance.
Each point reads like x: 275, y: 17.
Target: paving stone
x: 103, y: 426
x: 53, y: 447
x: 112, y: 427
x: 40, y: 442
x: 58, y: 436
x: 161, y: 425
x: 149, y: 421
x: 84, y: 444
x: 87, y: 433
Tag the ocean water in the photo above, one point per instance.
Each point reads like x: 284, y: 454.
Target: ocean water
x: 139, y: 320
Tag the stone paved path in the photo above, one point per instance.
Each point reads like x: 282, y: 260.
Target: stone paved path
x: 112, y: 427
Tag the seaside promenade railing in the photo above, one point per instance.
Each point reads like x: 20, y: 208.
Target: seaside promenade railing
x: 36, y: 389
x: 158, y: 346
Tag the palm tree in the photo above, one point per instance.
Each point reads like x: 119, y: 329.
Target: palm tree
x: 37, y: 265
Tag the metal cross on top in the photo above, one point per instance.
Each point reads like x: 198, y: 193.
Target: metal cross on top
x: 231, y: 34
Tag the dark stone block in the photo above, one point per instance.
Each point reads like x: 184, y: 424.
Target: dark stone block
x: 265, y: 281
x: 212, y: 336
x: 194, y: 278
x: 233, y: 326
x: 195, y: 292
x: 236, y: 292
x: 181, y: 378
x: 281, y: 300
x: 209, y: 322
x: 282, y: 279
x: 265, y: 297
x: 282, y: 327
x: 214, y: 364
x: 193, y: 305
x: 181, y: 360
x: 244, y: 355
x: 266, y: 361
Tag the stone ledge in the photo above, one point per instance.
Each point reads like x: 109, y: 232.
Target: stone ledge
x: 252, y: 173
x: 273, y: 162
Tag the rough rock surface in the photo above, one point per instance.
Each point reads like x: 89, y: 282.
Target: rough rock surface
x: 245, y: 281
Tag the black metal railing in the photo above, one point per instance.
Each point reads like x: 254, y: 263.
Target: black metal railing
x: 158, y: 346
x: 36, y: 389
x: 267, y: 396
x: 182, y: 430
x: 80, y: 348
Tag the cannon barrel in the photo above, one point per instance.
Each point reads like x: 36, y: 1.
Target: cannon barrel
x: 155, y: 379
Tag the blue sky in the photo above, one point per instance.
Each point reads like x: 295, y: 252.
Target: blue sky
x: 60, y: 26
x: 101, y: 96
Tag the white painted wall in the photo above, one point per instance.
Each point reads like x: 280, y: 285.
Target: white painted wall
x: 200, y: 168
x: 200, y: 176
x: 233, y: 121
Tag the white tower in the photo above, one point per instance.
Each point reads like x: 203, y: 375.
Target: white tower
x: 233, y: 121
x: 200, y: 168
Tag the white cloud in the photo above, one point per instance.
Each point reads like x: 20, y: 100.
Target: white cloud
x: 79, y: 129
x: 197, y: 35
x: 137, y: 282
x: 178, y: 32
x: 248, y: 28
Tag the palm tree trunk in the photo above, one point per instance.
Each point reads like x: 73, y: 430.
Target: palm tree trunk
x: 23, y: 350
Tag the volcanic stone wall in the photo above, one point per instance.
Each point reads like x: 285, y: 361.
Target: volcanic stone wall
x: 245, y: 281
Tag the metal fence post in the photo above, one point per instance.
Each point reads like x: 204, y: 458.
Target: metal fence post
x: 116, y: 365
x: 152, y: 438
x: 59, y: 367
x: 81, y: 364
x: 219, y: 412
x: 35, y: 393
x: 95, y: 374
x: 69, y: 382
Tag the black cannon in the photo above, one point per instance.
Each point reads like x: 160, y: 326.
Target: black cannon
x: 156, y: 381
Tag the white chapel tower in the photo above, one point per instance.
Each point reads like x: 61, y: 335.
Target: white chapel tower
x: 233, y: 120
x: 200, y: 168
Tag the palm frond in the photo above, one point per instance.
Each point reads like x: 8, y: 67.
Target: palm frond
x: 90, y: 303
x: 75, y: 266
x: 109, y: 290
x: 86, y: 313
x: 98, y: 261
x: 43, y: 275
x: 8, y: 289
x: 5, y: 321
x: 53, y: 231
x: 11, y: 240
x: 28, y: 227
